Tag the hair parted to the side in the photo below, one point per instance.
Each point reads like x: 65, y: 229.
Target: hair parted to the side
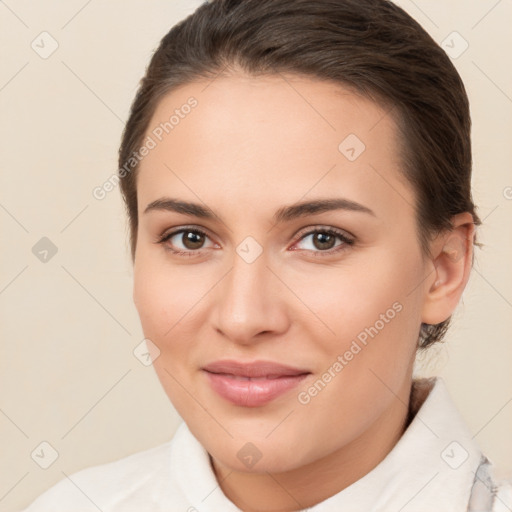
x: 372, y: 47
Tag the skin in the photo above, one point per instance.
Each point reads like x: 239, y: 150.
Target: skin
x: 250, y: 147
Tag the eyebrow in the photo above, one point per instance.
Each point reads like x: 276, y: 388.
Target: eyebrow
x: 283, y: 214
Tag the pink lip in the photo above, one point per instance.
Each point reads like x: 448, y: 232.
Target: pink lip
x: 252, y: 384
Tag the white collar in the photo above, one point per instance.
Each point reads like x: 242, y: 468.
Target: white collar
x: 432, y: 467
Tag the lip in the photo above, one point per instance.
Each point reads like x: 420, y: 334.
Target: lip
x: 252, y: 384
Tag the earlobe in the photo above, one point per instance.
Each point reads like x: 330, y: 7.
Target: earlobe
x: 452, y: 256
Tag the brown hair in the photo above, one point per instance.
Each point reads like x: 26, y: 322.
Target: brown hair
x: 371, y: 46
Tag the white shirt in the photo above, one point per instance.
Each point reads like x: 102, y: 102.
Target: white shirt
x: 436, y: 466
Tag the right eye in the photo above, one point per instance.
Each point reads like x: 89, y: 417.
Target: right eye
x: 184, y: 241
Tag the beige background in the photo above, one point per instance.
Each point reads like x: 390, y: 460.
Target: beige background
x: 68, y: 327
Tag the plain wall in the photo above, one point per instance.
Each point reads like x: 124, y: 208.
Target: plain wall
x: 68, y: 326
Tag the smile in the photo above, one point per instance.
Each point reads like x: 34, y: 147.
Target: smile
x: 252, y: 384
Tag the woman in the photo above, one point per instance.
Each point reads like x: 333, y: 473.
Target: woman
x: 297, y: 181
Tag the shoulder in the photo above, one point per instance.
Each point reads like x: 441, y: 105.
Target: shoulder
x: 103, y: 486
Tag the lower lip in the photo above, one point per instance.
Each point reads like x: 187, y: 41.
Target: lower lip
x: 252, y: 393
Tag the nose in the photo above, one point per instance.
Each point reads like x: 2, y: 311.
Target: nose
x: 250, y: 302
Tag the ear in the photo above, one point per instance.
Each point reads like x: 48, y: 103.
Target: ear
x: 452, y: 259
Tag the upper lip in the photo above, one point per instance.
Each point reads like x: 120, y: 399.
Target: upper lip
x: 253, y: 369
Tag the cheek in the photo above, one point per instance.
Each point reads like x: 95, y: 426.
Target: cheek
x: 165, y: 301
x: 353, y: 298
x: 164, y: 296
x: 375, y: 316
x: 159, y: 308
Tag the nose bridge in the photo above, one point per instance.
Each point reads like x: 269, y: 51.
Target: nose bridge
x: 245, y: 305
x: 246, y: 285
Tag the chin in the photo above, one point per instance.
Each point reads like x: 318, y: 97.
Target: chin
x: 255, y: 454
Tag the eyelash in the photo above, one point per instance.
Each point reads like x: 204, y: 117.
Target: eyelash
x: 346, y: 241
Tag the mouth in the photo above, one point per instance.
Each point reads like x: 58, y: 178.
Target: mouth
x: 252, y: 384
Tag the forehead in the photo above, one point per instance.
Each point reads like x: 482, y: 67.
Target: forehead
x: 273, y: 137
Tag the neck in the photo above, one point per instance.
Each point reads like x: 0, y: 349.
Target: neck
x: 311, y: 484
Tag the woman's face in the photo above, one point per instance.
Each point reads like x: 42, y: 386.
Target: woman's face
x: 285, y: 333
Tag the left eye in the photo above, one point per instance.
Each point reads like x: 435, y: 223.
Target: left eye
x: 324, y: 240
